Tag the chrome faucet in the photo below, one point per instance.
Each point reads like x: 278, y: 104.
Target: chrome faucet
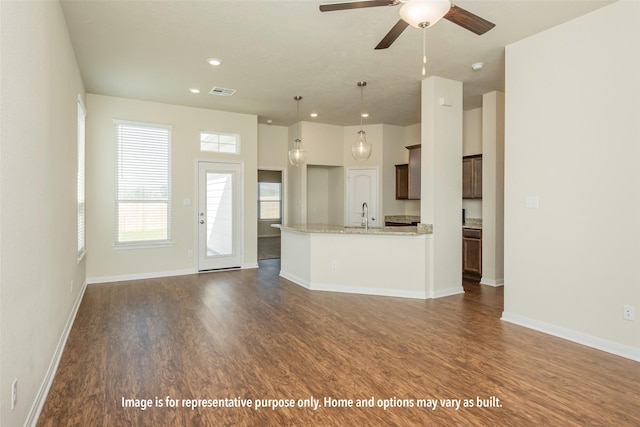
x: 364, y: 219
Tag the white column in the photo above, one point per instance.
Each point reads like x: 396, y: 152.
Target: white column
x: 441, y: 196
x: 493, y: 189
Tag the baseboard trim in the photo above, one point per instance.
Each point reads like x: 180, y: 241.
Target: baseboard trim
x: 618, y: 349
x: 328, y: 287
x: 295, y: 279
x: 138, y: 276
x: 492, y: 282
x: 441, y: 293
x: 43, y: 392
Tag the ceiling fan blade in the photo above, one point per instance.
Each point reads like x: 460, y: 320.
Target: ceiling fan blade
x: 392, y: 35
x: 355, y: 5
x: 468, y: 20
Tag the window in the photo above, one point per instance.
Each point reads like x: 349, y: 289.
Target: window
x: 80, y: 179
x: 269, y: 200
x: 219, y: 142
x: 143, y: 184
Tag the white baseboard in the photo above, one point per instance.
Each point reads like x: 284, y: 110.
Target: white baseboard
x: 41, y: 397
x: 328, y: 287
x: 295, y: 279
x: 618, y: 349
x: 492, y: 282
x: 456, y: 290
x: 138, y: 276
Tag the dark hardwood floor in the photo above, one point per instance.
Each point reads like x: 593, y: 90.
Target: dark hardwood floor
x: 252, y: 335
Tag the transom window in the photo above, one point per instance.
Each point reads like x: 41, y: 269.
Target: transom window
x: 219, y: 142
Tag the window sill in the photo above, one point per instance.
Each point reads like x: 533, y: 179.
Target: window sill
x: 142, y: 245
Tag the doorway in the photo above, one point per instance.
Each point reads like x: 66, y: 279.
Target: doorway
x: 270, y: 212
x: 219, y: 216
x: 362, y: 187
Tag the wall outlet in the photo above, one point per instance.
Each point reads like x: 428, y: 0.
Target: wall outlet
x: 189, y: 253
x: 71, y: 286
x: 14, y: 394
x: 628, y: 312
x: 334, y: 264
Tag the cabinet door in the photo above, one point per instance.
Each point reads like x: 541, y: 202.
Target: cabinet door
x: 402, y: 182
x: 476, y: 168
x: 472, y: 252
x: 467, y: 178
x: 414, y: 172
x: 472, y: 177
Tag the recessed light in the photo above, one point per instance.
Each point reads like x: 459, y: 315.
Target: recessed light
x: 214, y: 61
x: 314, y: 115
x: 365, y: 115
x: 194, y: 90
x: 477, y: 66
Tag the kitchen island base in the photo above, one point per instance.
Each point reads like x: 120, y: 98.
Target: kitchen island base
x: 375, y: 263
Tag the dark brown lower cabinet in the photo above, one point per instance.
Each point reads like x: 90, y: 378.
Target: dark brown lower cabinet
x: 472, y: 252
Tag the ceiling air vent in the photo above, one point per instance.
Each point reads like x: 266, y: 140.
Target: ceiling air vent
x: 220, y: 91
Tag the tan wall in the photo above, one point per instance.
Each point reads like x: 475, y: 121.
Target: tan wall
x: 572, y: 140
x: 41, y: 278
x: 105, y: 263
x: 472, y: 132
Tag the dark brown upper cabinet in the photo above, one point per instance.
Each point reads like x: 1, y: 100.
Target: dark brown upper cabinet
x: 408, y: 176
x: 472, y: 177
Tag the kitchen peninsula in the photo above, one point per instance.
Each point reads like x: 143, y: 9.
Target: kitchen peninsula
x: 388, y: 261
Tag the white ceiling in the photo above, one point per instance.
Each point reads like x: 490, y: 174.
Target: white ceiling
x: 273, y: 50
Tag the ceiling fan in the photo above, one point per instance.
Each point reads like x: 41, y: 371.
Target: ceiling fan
x: 419, y: 14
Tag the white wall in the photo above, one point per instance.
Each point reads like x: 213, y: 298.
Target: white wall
x: 272, y: 155
x: 40, y: 84
x: 272, y: 146
x: 317, y: 195
x: 472, y: 132
x: 493, y: 188
x: 105, y: 263
x: 572, y: 139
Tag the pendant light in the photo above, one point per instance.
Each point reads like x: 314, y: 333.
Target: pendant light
x: 297, y: 154
x: 361, y: 149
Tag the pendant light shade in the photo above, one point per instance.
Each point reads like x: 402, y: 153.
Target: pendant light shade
x: 424, y: 13
x: 361, y: 149
x: 297, y: 154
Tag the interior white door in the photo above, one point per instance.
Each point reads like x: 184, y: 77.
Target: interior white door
x: 219, y: 216
x: 362, y: 187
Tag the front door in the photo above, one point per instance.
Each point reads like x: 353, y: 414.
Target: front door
x: 362, y: 187
x: 219, y: 216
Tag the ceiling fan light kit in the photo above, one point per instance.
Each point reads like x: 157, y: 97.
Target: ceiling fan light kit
x: 419, y: 14
x: 424, y: 13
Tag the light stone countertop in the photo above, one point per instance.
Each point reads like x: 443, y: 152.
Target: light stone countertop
x: 339, y: 229
x: 475, y: 223
x: 407, y: 219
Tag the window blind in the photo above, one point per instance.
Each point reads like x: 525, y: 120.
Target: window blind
x: 143, y: 184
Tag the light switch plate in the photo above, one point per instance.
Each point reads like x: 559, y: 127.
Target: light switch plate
x: 531, y: 202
